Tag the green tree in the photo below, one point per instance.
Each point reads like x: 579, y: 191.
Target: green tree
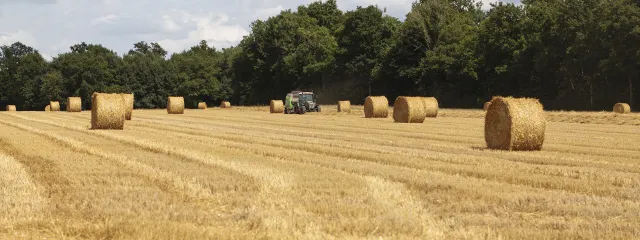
x: 20, y: 66
x: 326, y: 13
x: 502, y: 51
x: 53, y: 88
x: 89, y: 68
x: 362, y: 41
x: 147, y: 74
x: 198, y: 75
x: 434, y: 53
x: 621, y: 25
x: 287, y: 52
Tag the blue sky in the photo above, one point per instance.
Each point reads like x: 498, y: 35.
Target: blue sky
x: 51, y: 26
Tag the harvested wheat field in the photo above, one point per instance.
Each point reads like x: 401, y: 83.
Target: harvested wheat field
x: 246, y: 173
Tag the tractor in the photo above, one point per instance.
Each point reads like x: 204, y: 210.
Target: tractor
x: 298, y: 102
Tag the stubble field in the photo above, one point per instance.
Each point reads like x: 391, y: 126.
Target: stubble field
x: 245, y: 173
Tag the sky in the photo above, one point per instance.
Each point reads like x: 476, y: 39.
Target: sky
x: 52, y: 26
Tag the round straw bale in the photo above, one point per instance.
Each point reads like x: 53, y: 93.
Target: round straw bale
x: 225, y: 104
x: 409, y: 110
x: 175, y: 105
x: 55, y: 106
x: 621, y: 108
x: 515, y: 124
x: 344, y: 106
x: 74, y: 104
x: 276, y: 106
x: 202, y: 105
x: 47, y: 108
x: 486, y: 106
x: 128, y: 105
x: 11, y: 108
x: 107, y: 111
x: 376, y: 107
x: 430, y: 106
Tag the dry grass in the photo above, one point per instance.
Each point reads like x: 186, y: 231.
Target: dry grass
x: 222, y: 174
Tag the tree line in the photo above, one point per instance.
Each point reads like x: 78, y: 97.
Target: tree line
x: 571, y: 54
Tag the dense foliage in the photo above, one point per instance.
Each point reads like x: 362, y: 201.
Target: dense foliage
x: 572, y: 54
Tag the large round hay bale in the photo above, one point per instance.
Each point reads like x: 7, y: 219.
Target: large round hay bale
x: 344, y: 106
x: 409, y: 110
x: 515, y: 124
x: 276, y: 106
x: 430, y: 106
x: 225, y: 104
x: 202, y: 105
x: 175, y: 105
x: 47, y: 108
x: 128, y: 105
x: 621, y: 108
x: 11, y: 108
x: 486, y: 106
x: 376, y: 107
x: 54, y: 105
x: 107, y: 111
x: 74, y: 104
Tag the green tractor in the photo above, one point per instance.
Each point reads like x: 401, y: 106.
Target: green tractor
x: 298, y: 102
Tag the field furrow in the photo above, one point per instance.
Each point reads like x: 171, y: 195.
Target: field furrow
x: 331, y: 175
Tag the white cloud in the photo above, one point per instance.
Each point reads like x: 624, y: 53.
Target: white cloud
x: 8, y: 38
x: 213, y: 28
x: 106, y: 19
x: 169, y: 24
x: 52, y: 26
x: 265, y: 13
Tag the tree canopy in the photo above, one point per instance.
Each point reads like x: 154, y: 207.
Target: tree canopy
x: 571, y: 54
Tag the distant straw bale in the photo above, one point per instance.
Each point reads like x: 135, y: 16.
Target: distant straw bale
x: 515, y: 124
x: 74, y: 104
x: 11, y: 108
x: 376, y: 107
x: 202, y: 105
x: 344, y: 106
x: 486, y: 106
x: 175, y: 105
x: 128, y: 105
x: 621, y: 108
x: 409, y: 110
x: 55, y: 106
x: 107, y: 111
x: 430, y: 106
x: 225, y: 104
x: 276, y: 106
x: 47, y: 108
